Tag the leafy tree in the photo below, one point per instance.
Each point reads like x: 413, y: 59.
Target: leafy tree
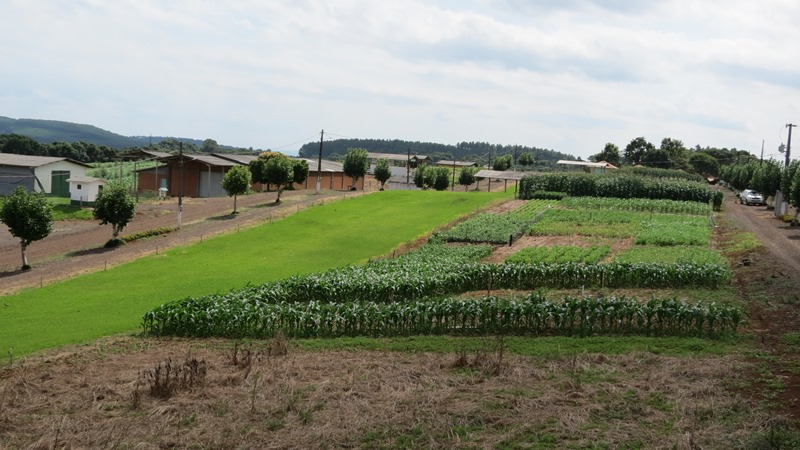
x: 300, y: 171
x: 794, y: 195
x: 656, y: 158
x: 503, y: 162
x: 382, y: 171
x: 210, y: 146
x: 610, y: 154
x: 525, y: 159
x: 279, y: 170
x: 636, y: 149
x: 678, y: 154
x: 467, y: 177
x: 703, y: 163
x: 115, y: 205
x: 29, y: 217
x: 439, y: 178
x: 356, y: 164
x: 236, y: 182
x: 258, y: 167
x: 767, y: 178
x: 787, y: 176
x: 419, y: 176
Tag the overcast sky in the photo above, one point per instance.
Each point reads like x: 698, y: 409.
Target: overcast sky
x: 567, y: 75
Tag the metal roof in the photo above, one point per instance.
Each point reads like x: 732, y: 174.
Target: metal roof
x: 144, y: 154
x: 396, y: 156
x: 586, y: 164
x: 457, y: 163
x: 502, y: 175
x: 327, y: 166
x: 11, y: 159
x: 209, y: 160
x: 241, y: 159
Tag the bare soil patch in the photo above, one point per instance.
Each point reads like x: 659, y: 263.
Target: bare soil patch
x: 100, y: 397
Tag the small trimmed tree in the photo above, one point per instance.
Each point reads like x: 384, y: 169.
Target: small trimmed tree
x: 382, y: 171
x: 356, y: 164
x: 236, y: 182
x: 116, y: 206
x: 467, y: 177
x: 279, y: 170
x: 300, y: 171
x: 440, y: 179
x: 29, y: 217
x: 525, y: 159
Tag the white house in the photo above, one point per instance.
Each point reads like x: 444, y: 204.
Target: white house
x: 84, y: 190
x: 38, y: 173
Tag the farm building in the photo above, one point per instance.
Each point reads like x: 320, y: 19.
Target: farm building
x: 84, y: 190
x: 590, y: 167
x: 38, y: 173
x: 331, y: 175
x: 202, y: 175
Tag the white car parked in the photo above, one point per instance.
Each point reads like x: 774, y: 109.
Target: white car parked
x: 751, y: 197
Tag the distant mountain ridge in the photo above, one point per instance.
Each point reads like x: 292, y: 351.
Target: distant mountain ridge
x: 49, y: 131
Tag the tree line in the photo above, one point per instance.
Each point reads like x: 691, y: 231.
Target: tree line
x: 673, y: 154
x: 480, y: 152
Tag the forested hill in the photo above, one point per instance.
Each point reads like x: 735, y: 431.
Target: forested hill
x: 50, y: 131
x: 461, y: 151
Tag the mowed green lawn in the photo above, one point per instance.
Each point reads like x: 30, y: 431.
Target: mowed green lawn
x: 336, y: 234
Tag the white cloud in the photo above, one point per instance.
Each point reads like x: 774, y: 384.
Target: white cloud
x: 568, y: 75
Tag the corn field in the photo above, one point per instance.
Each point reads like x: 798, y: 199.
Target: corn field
x: 618, y: 186
x: 637, y: 204
x: 530, y: 315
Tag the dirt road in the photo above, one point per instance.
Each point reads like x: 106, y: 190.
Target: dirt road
x: 782, y: 240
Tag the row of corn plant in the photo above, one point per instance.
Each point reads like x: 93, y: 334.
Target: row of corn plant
x: 619, y: 186
x: 495, y: 228
x: 637, y: 204
x: 655, y: 172
x: 380, y: 283
x: 560, y: 254
x: 530, y: 315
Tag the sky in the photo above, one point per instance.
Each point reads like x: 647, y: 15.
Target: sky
x: 566, y: 75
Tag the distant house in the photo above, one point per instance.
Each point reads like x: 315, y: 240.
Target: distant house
x: 589, y: 167
x: 331, y: 176
x: 84, y: 190
x: 39, y: 173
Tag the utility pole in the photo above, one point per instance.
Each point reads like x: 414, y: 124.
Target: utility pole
x: 762, y: 153
x: 453, y: 183
x: 180, y: 186
x: 408, y: 168
x: 319, y: 162
x: 789, y: 143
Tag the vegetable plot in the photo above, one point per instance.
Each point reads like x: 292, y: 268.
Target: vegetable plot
x: 530, y: 315
x: 495, y: 228
x: 560, y: 254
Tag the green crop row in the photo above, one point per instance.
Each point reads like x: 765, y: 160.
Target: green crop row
x: 560, y: 254
x: 531, y: 315
x: 618, y: 186
x: 647, y: 227
x: 670, y: 255
x: 669, y: 234
x: 637, y: 204
x: 495, y: 228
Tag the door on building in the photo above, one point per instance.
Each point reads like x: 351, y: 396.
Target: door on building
x: 58, y: 183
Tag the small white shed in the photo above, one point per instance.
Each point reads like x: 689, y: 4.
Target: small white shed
x: 83, y: 191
